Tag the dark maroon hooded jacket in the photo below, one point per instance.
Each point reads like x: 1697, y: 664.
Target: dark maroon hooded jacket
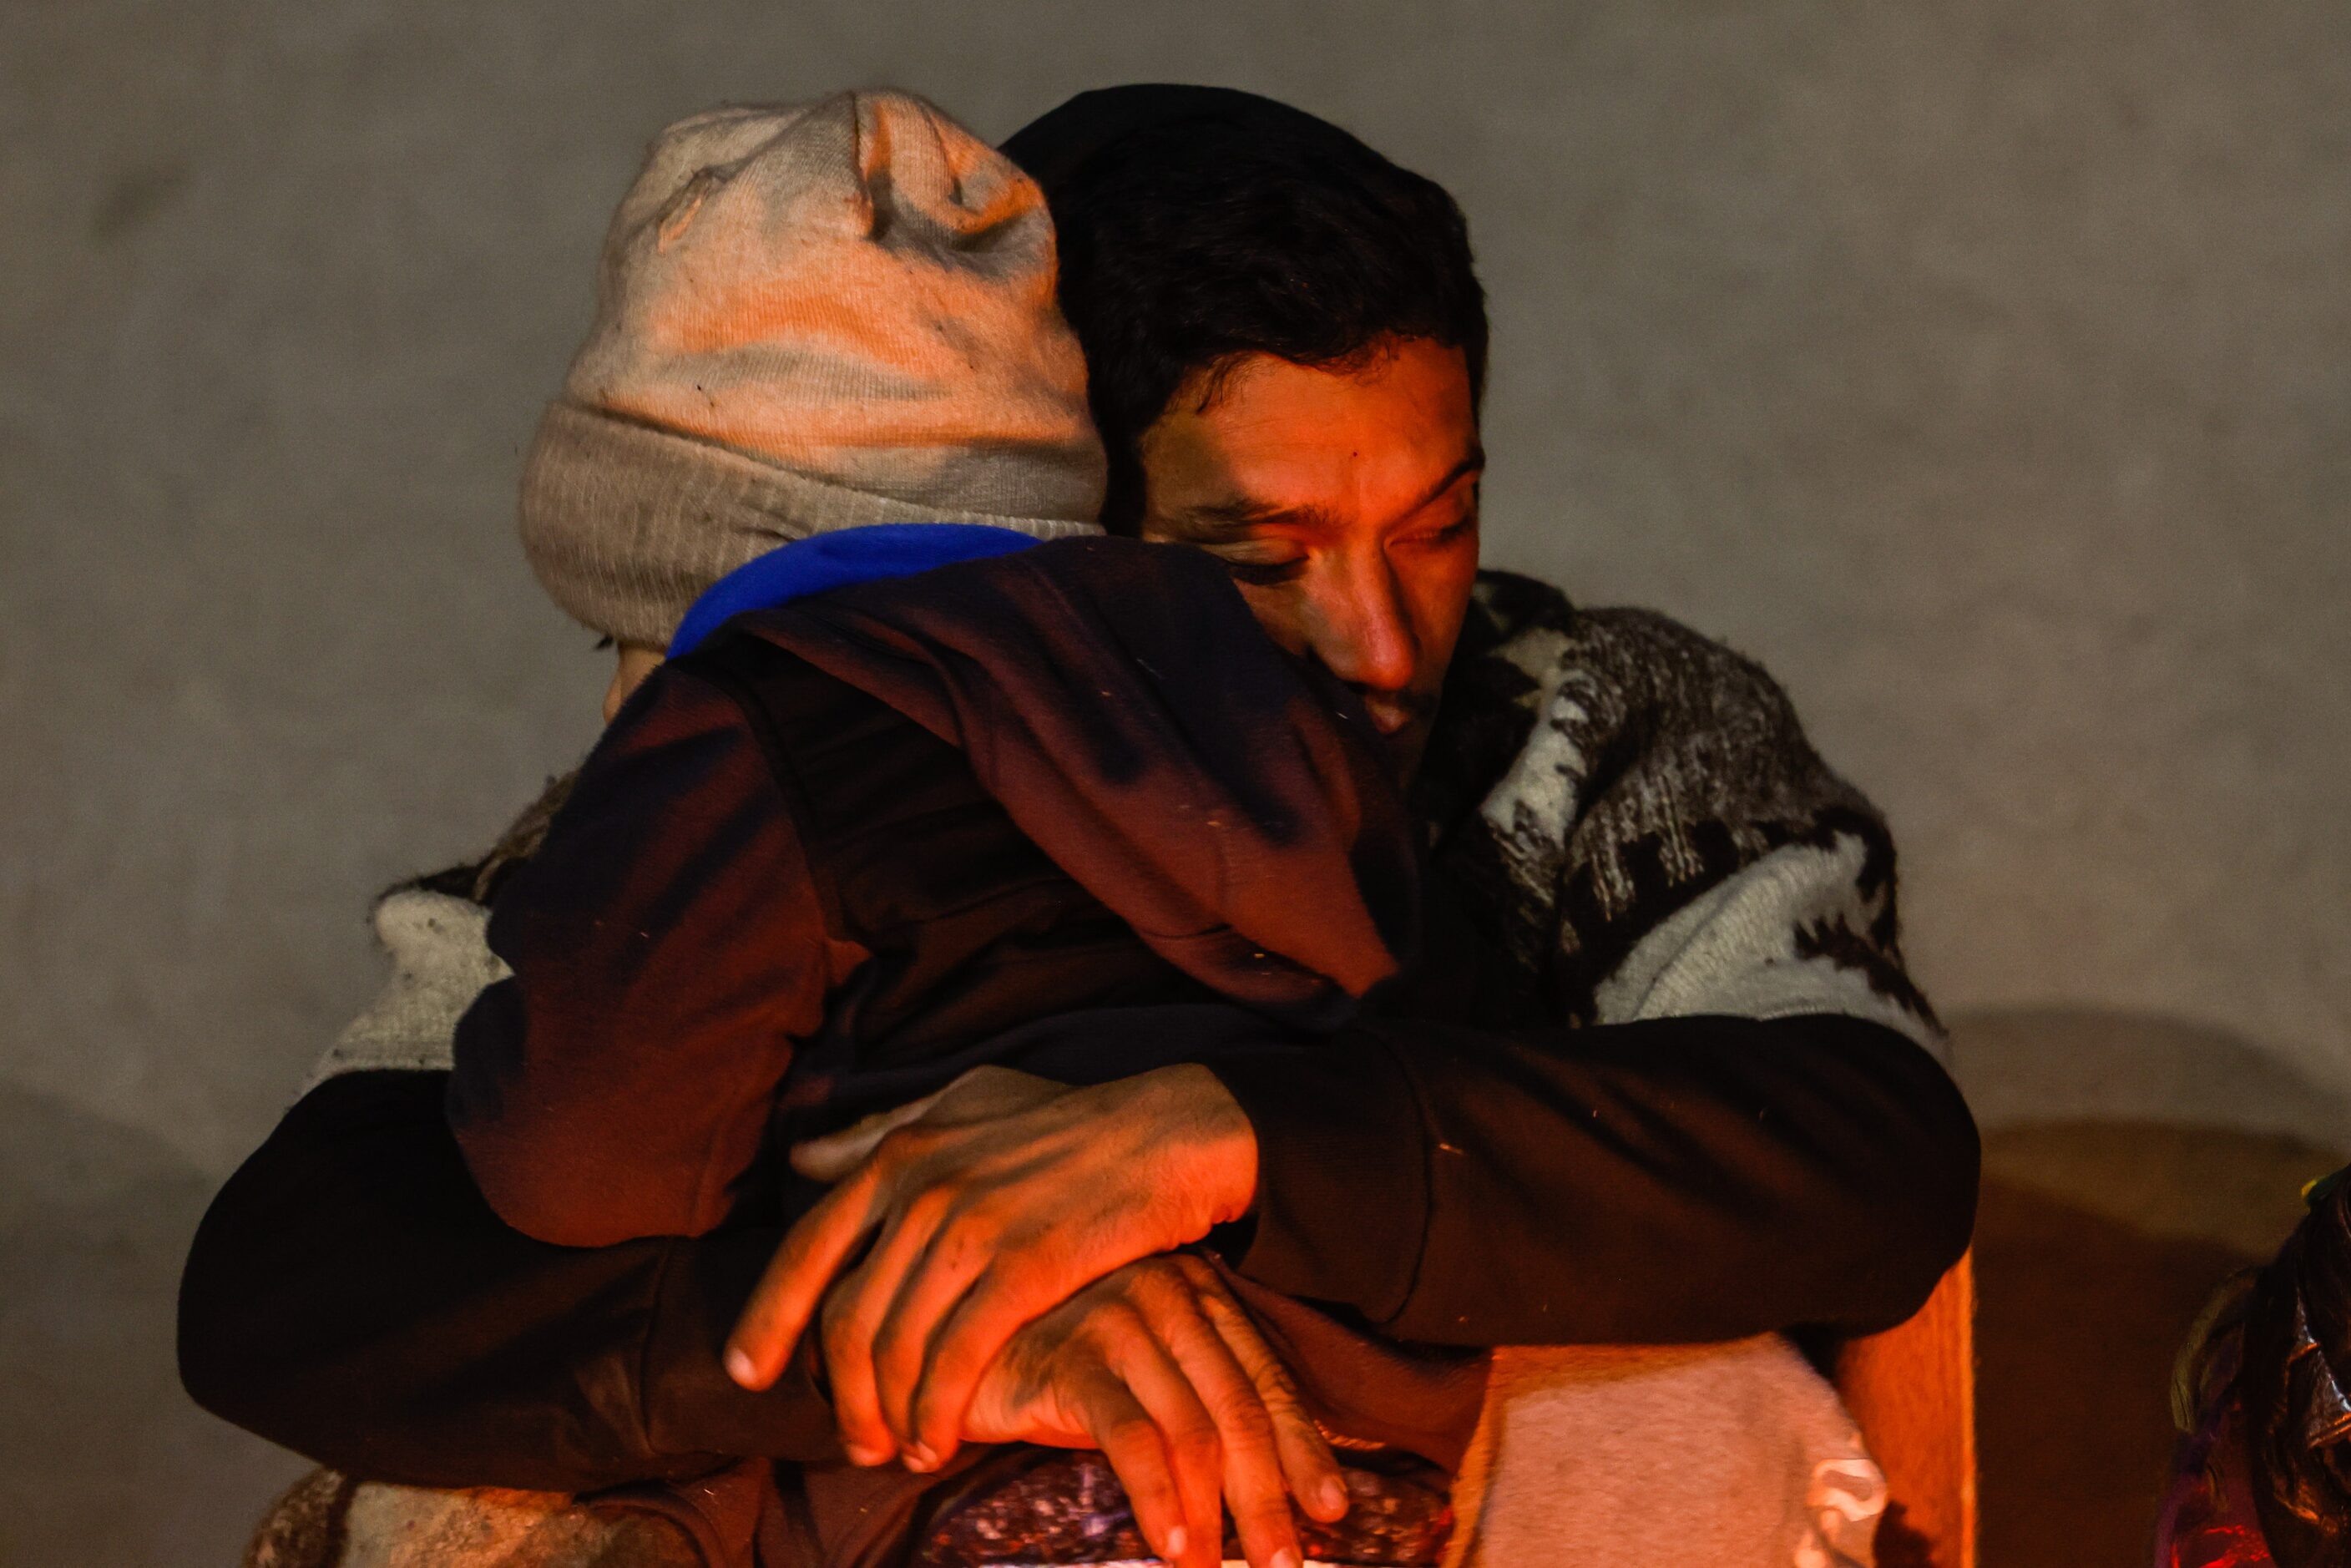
x: 917, y: 813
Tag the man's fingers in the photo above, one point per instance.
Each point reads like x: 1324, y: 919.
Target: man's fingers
x: 1188, y: 1433
x: 1182, y: 1352
x: 858, y: 1310
x: 991, y: 1090
x: 1253, y: 1476
x: 1132, y: 1443
x: 977, y: 1095
x: 921, y: 1272
x: 1307, y: 1463
x: 930, y: 1290
x: 836, y: 1154
x: 786, y: 1297
x: 999, y: 1305
x: 856, y: 1412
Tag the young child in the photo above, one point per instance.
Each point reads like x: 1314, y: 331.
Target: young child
x: 2263, y: 1475
x: 861, y: 833
x: 916, y: 779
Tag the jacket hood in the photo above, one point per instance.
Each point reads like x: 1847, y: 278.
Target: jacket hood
x: 1231, y: 803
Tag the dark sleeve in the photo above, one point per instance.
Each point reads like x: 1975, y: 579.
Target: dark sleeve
x: 1675, y: 1180
x: 350, y: 1296
x: 668, y: 948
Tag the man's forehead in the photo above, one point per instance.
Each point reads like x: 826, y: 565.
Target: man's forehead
x: 1276, y: 443
x: 1396, y: 376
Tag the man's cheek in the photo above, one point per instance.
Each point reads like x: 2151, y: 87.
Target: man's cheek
x: 1282, y: 611
x: 1443, y: 612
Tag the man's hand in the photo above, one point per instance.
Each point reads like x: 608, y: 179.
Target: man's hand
x: 985, y: 1208
x: 1161, y: 1369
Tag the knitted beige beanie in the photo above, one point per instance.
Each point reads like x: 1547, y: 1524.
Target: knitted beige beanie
x: 806, y: 318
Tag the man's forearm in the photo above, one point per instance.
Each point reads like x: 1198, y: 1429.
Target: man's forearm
x: 1671, y: 1181
x: 351, y: 1296
x: 1680, y: 1180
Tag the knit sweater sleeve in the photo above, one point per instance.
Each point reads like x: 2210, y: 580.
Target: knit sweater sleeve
x: 667, y: 950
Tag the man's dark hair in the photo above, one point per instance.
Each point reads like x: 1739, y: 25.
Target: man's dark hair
x: 1199, y: 224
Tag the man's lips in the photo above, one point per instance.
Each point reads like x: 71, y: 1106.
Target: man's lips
x: 1390, y: 715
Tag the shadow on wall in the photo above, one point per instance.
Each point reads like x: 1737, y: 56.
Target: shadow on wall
x: 2131, y: 1164
x: 2049, y: 1064
x: 108, y: 1461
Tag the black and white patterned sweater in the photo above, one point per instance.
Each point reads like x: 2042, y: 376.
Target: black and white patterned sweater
x: 1636, y: 816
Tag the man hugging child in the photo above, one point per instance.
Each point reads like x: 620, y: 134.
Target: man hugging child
x: 932, y: 759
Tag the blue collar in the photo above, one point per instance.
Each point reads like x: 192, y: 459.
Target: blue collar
x: 836, y: 559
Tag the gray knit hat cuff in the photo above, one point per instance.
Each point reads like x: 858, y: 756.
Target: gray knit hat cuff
x: 626, y: 525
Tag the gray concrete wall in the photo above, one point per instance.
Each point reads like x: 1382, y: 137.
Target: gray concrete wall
x: 1983, y: 368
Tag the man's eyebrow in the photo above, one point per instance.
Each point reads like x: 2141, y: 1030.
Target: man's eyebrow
x: 1214, y: 518
x: 1475, y: 463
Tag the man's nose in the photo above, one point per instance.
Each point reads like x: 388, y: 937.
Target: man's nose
x: 1361, y: 628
